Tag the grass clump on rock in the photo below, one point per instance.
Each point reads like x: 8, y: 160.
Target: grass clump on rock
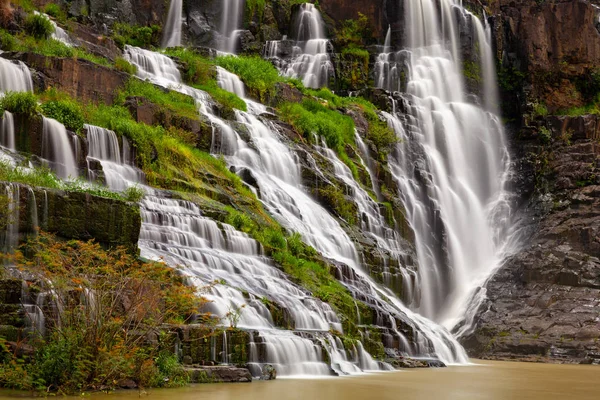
x: 39, y: 26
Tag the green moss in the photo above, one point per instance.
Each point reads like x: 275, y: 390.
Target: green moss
x: 227, y: 99
x: 313, y: 118
x: 472, y: 71
x: 123, y: 65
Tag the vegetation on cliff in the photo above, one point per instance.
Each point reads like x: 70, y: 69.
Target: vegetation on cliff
x: 108, y: 309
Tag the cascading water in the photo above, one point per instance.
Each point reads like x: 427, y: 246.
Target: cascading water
x: 9, y: 239
x: 58, y: 149
x: 118, y: 172
x: 172, y: 32
x: 14, y: 77
x: 176, y: 231
x: 310, y: 57
x: 7, y: 131
x: 451, y: 164
x: 172, y: 235
x: 276, y: 171
x: 233, y: 11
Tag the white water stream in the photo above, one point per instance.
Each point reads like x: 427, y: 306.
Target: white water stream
x: 172, y: 31
x: 278, y: 174
x: 231, y: 22
x: 310, y: 58
x: 452, y: 163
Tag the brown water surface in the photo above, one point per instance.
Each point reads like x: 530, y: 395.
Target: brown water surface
x: 485, y: 381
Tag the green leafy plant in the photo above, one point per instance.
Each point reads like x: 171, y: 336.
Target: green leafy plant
x: 139, y: 36
x: 67, y: 112
x: 39, y: 26
x: 54, y: 10
x: 20, y: 103
x: 134, y: 194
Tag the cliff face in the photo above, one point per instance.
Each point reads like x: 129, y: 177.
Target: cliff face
x: 543, y: 304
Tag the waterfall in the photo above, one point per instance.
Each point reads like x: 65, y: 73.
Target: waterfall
x: 176, y: 231
x: 7, y: 131
x: 276, y: 171
x: 9, y: 239
x: 172, y: 32
x: 118, y: 173
x: 58, y: 150
x: 231, y: 22
x: 451, y: 164
x: 59, y: 33
x: 310, y: 60
x: 14, y: 77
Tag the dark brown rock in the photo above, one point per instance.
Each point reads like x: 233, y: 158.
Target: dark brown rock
x: 81, y: 79
x: 544, y: 303
x: 218, y: 374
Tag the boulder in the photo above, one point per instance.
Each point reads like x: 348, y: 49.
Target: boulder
x: 218, y: 374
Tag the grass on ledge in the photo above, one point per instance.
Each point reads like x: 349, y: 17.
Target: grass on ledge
x: 259, y: 75
x: 45, y: 178
x: 173, y: 101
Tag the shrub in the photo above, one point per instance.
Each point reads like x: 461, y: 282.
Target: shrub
x: 100, y: 342
x: 134, y: 194
x: 20, y: 103
x: 539, y: 110
x: 39, y: 26
x: 123, y: 65
x: 545, y: 135
x: 354, y: 32
x: 139, y: 36
x: 67, y: 112
x: 7, y: 41
x: 197, y: 70
x: 54, y: 10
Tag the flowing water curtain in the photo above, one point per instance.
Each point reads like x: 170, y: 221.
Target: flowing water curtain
x: 310, y: 58
x: 231, y: 23
x: 456, y: 197
x: 172, y: 32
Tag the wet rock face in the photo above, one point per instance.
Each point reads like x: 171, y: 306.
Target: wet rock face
x: 544, y: 303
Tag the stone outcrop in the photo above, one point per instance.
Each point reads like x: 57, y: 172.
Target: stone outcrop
x: 75, y: 215
x: 218, y: 374
x: 81, y: 79
x: 151, y: 114
x: 555, y: 43
x: 544, y: 303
